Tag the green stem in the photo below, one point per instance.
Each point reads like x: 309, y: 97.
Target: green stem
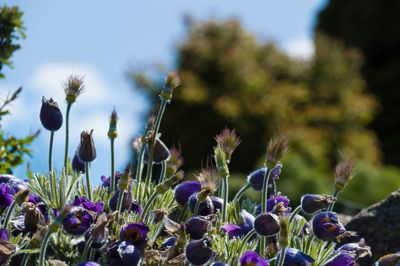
x: 88, y: 188
x: 282, y: 257
x: 67, y: 135
x: 153, y: 141
x: 51, y: 151
x: 264, y: 193
x: 54, y: 189
x: 148, y: 204
x: 245, y: 240
x: 294, y: 213
x: 335, y: 194
x: 196, y: 207
x: 112, y: 165
x: 139, y: 169
x: 86, y: 249
x: 25, y: 259
x: 120, y: 200
x: 163, y: 171
x: 226, y: 196
x: 9, y: 213
x: 241, y: 192
x: 43, y: 248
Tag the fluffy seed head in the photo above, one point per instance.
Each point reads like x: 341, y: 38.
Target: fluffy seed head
x: 343, y: 173
x: 209, y: 179
x: 73, y: 87
x: 172, y: 81
x: 277, y: 147
x: 228, y: 141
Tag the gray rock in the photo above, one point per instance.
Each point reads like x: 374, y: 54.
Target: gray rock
x: 379, y: 225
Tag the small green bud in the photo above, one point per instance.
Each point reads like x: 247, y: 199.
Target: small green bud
x: 220, y: 161
x: 167, y: 184
x: 112, y: 130
x: 172, y: 81
x: 125, y: 179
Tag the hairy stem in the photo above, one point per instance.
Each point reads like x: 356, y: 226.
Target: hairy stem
x: 226, y: 196
x: 241, y: 192
x: 67, y: 135
x: 51, y: 151
x: 88, y: 188
x: 43, y: 248
x: 112, y: 165
x: 264, y: 193
x: 335, y: 194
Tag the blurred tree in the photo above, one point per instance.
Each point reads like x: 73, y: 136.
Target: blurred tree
x: 371, y: 26
x: 232, y: 80
x: 12, y: 149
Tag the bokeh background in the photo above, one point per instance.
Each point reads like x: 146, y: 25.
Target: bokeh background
x: 324, y: 71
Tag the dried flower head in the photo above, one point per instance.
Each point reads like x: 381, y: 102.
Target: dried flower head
x: 210, y: 180
x: 277, y: 147
x: 172, y: 81
x: 343, y: 173
x: 175, y: 161
x: 228, y: 141
x: 112, y: 130
x: 73, y: 87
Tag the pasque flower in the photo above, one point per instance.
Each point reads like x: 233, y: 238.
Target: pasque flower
x: 161, y: 152
x: 267, y: 224
x: 255, y: 178
x: 342, y: 259
x: 197, y: 227
x: 123, y: 253
x: 97, y: 207
x: 50, y: 115
x: 246, y: 226
x: 206, y: 207
x: 6, y: 196
x: 294, y: 257
x: 185, y: 189
x: 87, y: 150
x: 198, y: 252
x: 77, y: 221
x: 98, y: 232
x: 343, y: 174
x: 126, y: 200
x: 311, y: 203
x: 326, y: 226
x: 136, y: 233
x: 251, y: 258
x: 77, y: 164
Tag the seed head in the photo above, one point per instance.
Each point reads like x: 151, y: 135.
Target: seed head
x: 343, y: 173
x: 172, y: 81
x: 112, y: 130
x: 210, y: 180
x: 277, y: 147
x: 228, y: 141
x: 73, y: 87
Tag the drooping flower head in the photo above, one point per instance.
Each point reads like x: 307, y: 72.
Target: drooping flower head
x: 87, y: 149
x: 185, y: 189
x: 6, y: 196
x: 123, y: 253
x: 251, y: 258
x: 267, y: 224
x: 97, y: 207
x: 50, y: 115
x: 326, y: 226
x: 197, y: 227
x: 294, y: 257
x: 241, y: 229
x: 228, y: 141
x: 357, y: 250
x: 206, y: 206
x: 343, y: 174
x: 278, y: 204
x: 311, y: 203
x: 73, y: 87
x: 98, y: 232
x: 77, y: 221
x: 277, y: 147
x: 198, y: 252
x: 136, y: 233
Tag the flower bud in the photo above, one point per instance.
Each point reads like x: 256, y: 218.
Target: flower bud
x: 136, y: 233
x: 392, y: 259
x: 311, y: 203
x: 326, y: 226
x: 252, y: 258
x: 256, y: 178
x: 50, y: 115
x: 87, y: 150
x: 126, y: 200
x: 185, y: 189
x: 123, y: 253
x: 77, y: 164
x: 97, y: 207
x: 294, y: 257
x: 21, y: 196
x: 221, y: 161
x: 112, y: 130
x: 77, y: 221
x: 217, y: 202
x: 197, y: 227
x: 198, y: 252
x: 161, y: 152
x: 267, y: 224
x: 206, y: 207
x: 167, y: 184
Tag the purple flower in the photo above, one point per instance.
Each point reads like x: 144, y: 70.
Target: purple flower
x: 251, y: 258
x: 88, y: 263
x: 311, y: 203
x: 217, y: 202
x: 97, y: 207
x: 123, y: 253
x: 169, y: 242
x: 267, y: 224
x: 184, y: 190
x: 136, y: 233
x: 77, y: 164
x: 4, y: 234
x: 126, y: 201
x: 197, y: 227
x: 242, y: 229
x: 275, y: 200
x: 15, y: 183
x: 206, y: 207
x: 106, y: 181
x: 77, y: 221
x: 294, y: 257
x: 342, y: 259
x: 256, y: 178
x: 136, y: 208
x: 50, y: 115
x: 326, y: 226
x: 198, y: 252
x: 6, y: 196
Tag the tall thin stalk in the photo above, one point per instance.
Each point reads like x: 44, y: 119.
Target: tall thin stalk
x: 88, y: 188
x: 264, y: 193
x: 51, y: 151
x: 67, y: 135
x: 112, y: 165
x: 43, y: 248
x: 335, y: 194
x: 226, y: 196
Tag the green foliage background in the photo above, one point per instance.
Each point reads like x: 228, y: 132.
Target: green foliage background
x: 233, y: 80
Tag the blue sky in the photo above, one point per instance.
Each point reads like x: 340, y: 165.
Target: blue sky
x: 102, y: 40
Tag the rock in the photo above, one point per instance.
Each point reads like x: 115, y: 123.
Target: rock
x: 379, y: 225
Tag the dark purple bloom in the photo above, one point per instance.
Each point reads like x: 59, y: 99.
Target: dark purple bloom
x: 197, y: 227
x: 14, y: 183
x: 6, y: 196
x: 275, y: 200
x: 88, y: 263
x: 311, y: 203
x: 218, y: 202
x: 198, y: 252
x: 97, y: 207
x: 77, y: 164
x: 4, y: 234
x: 185, y: 189
x: 206, y: 207
x: 169, y: 242
x: 106, y: 181
x: 342, y: 259
x: 242, y: 229
x: 251, y: 258
x: 136, y: 233
x: 294, y: 257
x: 267, y: 224
x: 77, y: 221
x: 126, y: 201
x: 256, y: 178
x: 123, y: 253
x: 50, y: 115
x: 326, y: 226
x: 161, y: 152
x: 136, y: 208
x: 219, y: 263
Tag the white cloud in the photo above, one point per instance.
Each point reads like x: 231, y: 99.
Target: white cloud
x: 302, y: 48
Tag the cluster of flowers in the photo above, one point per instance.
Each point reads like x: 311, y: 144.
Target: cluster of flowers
x: 151, y: 214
